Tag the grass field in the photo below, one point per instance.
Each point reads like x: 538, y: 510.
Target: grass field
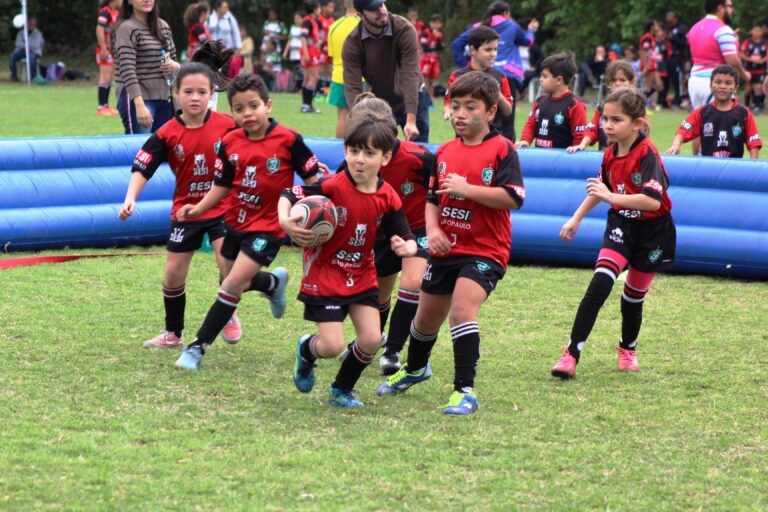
x: 91, y: 421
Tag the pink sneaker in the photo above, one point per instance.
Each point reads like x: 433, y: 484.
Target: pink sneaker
x: 627, y: 360
x: 165, y: 340
x: 232, y: 332
x: 566, y: 366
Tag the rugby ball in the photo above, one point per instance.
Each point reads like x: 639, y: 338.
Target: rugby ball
x: 317, y: 214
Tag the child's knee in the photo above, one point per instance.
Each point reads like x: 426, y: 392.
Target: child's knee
x: 369, y: 342
x: 462, y: 311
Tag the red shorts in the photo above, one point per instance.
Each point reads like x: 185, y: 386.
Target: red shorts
x: 430, y: 67
x: 108, y: 61
x: 315, y: 58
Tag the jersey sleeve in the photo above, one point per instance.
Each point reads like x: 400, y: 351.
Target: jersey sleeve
x: 433, y: 184
x: 440, y: 42
x: 529, y: 130
x: 509, y: 175
x: 224, y: 171
x: 428, y: 163
x: 653, y: 175
x: 103, y: 18
x: 593, y: 128
x: 601, y: 174
x: 306, y: 28
x: 200, y: 34
x: 451, y: 80
x: 395, y: 222
x: 690, y: 128
x: 299, y: 192
x: 578, y: 120
x: 303, y: 160
x: 752, y: 135
x: 153, y: 153
x: 506, y: 90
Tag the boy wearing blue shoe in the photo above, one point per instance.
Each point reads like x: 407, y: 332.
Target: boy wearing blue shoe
x: 258, y: 160
x: 477, y: 181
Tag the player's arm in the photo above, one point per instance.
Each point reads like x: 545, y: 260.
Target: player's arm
x: 578, y: 121
x: 597, y: 189
x: 303, y: 160
x: 529, y: 130
x: 102, y: 41
x: 688, y: 130
x: 754, y: 144
x: 153, y: 153
x: 505, y: 98
x: 401, y: 238
x: 135, y: 186
x: 569, y: 229
x: 438, y: 242
x: 301, y: 236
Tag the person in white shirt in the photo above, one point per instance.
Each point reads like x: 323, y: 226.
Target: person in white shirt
x: 224, y: 27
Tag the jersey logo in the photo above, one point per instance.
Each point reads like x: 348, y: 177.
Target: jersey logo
x: 310, y: 163
x: 708, y: 129
x: 217, y: 146
x: 441, y: 169
x: 637, y: 178
x: 722, y: 139
x: 617, y: 236
x: 144, y: 157
x: 736, y: 130
x: 544, y: 130
x: 273, y: 164
x: 250, y: 177
x: 341, y: 216
x: 654, y: 255
x: 423, y: 242
x: 487, y: 175
x: 177, y: 235
x: 482, y: 266
x: 559, y: 119
x: 200, y: 168
x: 406, y: 188
x: 259, y: 244
x: 359, y: 239
x: 178, y: 149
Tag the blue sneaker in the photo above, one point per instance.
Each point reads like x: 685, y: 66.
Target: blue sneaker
x: 402, y: 380
x: 303, y: 371
x: 190, y: 358
x: 461, y: 404
x: 341, y: 398
x: 277, y: 301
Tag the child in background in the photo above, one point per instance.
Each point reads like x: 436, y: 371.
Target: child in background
x: 640, y: 232
x: 630, y: 54
x: 246, y: 51
x: 477, y: 181
x: 273, y: 29
x: 197, y: 31
x: 187, y: 142
x: 292, y: 52
x: 663, y: 53
x: 340, y: 275
x: 258, y: 161
x: 649, y: 60
x: 558, y: 119
x: 271, y: 63
x: 431, y: 40
x: 724, y: 126
x: 109, y: 10
x: 311, y: 55
x: 754, y: 53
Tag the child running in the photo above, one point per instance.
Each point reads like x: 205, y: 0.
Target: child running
x: 187, y: 142
x: 257, y: 161
x: 640, y: 231
x: 477, y: 181
x: 340, y: 275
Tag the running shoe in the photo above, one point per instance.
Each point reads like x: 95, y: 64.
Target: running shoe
x: 627, y: 359
x: 402, y: 380
x: 303, y: 370
x: 165, y: 339
x: 461, y: 404
x: 389, y: 363
x: 340, y: 398
x: 565, y: 368
x: 232, y: 331
x: 278, y: 301
x: 190, y: 358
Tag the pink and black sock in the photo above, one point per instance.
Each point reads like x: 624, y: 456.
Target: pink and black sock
x: 218, y: 316
x: 635, y: 289
x: 466, y: 354
x: 402, y: 317
x: 352, y: 367
x: 419, y: 349
x: 175, y: 300
x: 599, y: 289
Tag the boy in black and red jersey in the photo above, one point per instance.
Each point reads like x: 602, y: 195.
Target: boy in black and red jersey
x: 187, y: 142
x: 258, y: 161
x: 558, y: 119
x: 724, y: 126
x: 640, y: 232
x: 754, y: 53
x: 477, y: 181
x: 483, y: 45
x: 340, y: 275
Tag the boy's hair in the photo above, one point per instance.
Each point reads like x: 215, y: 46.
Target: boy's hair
x: 216, y: 56
x: 369, y: 129
x: 480, y: 35
x: 194, y: 68
x: 725, y: 69
x: 367, y: 101
x: 619, y: 65
x: 436, y: 17
x: 710, y: 6
x: 478, y: 85
x: 247, y: 82
x: 560, y: 64
x: 631, y: 102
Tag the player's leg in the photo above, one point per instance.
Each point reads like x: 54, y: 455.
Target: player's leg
x: 635, y: 289
x: 368, y: 334
x: 327, y: 343
x: 174, y: 300
x: 232, y: 331
x: 311, y: 73
x: 747, y: 93
x: 757, y: 94
x: 342, y: 116
x: 106, y: 73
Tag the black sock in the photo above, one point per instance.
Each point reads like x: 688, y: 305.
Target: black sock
x: 402, y: 316
x: 631, y: 316
x: 747, y: 98
x: 466, y: 354
x: 175, y: 300
x: 218, y: 316
x: 103, y: 95
x: 351, y: 368
x: 759, y: 100
x: 307, y: 350
x: 264, y: 282
x: 306, y: 95
x: 419, y: 349
x: 384, y: 313
x: 598, y: 290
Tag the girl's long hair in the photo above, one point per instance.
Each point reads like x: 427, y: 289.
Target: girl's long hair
x: 153, y: 20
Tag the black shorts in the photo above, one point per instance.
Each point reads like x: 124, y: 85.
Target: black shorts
x: 335, y: 309
x: 648, y: 245
x: 260, y: 247
x: 188, y: 236
x: 757, y: 79
x: 441, y: 274
x: 388, y: 263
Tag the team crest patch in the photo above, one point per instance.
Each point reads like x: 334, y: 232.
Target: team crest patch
x: 709, y: 129
x: 487, y: 175
x: 273, y: 164
x: 217, y: 146
x: 259, y: 244
x: 482, y: 266
x: 654, y: 255
x: 407, y: 188
x: 637, y: 178
x: 178, y: 149
x: 736, y: 130
x: 422, y: 242
x: 559, y: 118
x: 441, y: 168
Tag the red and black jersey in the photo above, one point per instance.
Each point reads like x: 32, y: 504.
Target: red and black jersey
x: 638, y: 172
x: 723, y: 133
x: 755, y: 51
x: 503, y: 82
x: 106, y: 19
x: 310, y: 29
x: 191, y: 155
x: 259, y: 170
x: 556, y: 122
x: 344, y: 265
x: 661, y: 56
x: 648, y: 48
x: 431, y: 42
x: 197, y: 35
x: 473, y: 228
x: 324, y: 28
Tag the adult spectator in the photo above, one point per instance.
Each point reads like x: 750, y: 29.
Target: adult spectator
x: 36, y: 42
x: 713, y: 43
x: 592, y: 70
x: 145, y: 60
x: 337, y: 34
x: 384, y: 49
x: 678, y: 41
x: 224, y: 27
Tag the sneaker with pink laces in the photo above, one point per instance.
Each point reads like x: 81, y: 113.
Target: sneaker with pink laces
x: 566, y: 366
x: 627, y: 359
x: 232, y: 331
x: 165, y: 339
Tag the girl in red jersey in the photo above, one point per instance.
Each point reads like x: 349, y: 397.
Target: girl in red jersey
x: 478, y: 180
x: 258, y: 161
x: 640, y: 232
x: 188, y: 143
x: 197, y: 32
x: 340, y: 275
x: 311, y: 55
x: 107, y: 17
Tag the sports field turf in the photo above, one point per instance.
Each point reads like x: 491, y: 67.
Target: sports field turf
x: 91, y: 421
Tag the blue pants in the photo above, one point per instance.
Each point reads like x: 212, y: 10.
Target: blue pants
x: 422, y: 116
x: 161, y: 111
x: 19, y: 55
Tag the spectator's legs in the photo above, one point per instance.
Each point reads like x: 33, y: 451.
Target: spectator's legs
x: 662, y: 96
x: 585, y: 78
x: 747, y: 93
x: 673, y: 67
x: 162, y: 111
x: 33, y: 57
x: 16, y: 56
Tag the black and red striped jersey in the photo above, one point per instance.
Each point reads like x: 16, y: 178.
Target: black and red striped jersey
x: 755, y: 51
x: 640, y: 171
x: 197, y: 35
x: 107, y: 18
x: 556, y: 121
x: 344, y: 265
x: 473, y: 228
x: 500, y: 78
x: 431, y: 42
x: 310, y: 29
x: 191, y: 155
x: 259, y: 170
x: 723, y: 132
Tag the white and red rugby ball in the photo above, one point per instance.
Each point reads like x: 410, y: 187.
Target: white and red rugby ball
x: 317, y: 214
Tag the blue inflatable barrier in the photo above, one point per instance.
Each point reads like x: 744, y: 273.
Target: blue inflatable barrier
x: 67, y: 192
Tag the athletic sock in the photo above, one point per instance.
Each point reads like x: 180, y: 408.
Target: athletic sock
x: 306, y: 95
x: 265, y: 282
x: 384, y: 313
x: 218, y: 316
x: 402, y: 316
x: 631, y: 315
x: 175, y: 300
x: 598, y: 290
x: 351, y: 368
x: 103, y: 95
x: 466, y: 354
x: 308, y: 349
x: 419, y: 349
